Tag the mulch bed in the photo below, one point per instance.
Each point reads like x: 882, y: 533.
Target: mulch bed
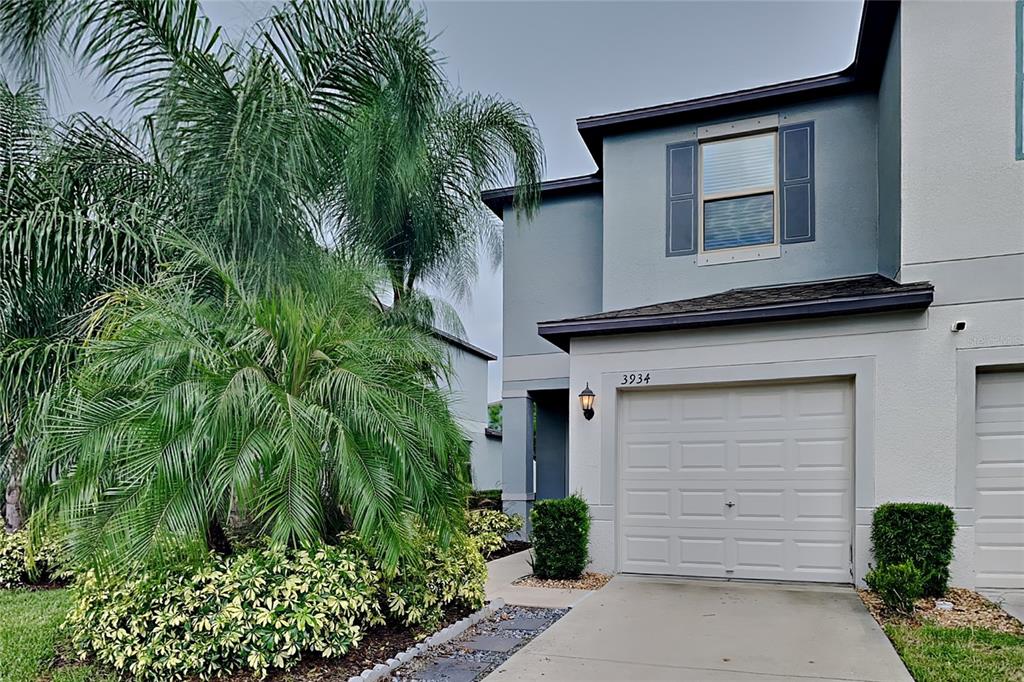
x: 511, y: 547
x: 970, y: 610
x: 587, y: 581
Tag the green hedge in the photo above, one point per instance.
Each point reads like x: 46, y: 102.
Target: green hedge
x: 264, y: 608
x: 918, y: 532
x: 561, y: 537
x: 899, y: 585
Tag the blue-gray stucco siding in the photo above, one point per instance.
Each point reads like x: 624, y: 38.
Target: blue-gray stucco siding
x: 636, y: 269
x: 552, y: 269
x: 889, y: 167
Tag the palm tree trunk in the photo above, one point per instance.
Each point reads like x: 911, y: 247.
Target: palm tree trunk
x: 13, y: 520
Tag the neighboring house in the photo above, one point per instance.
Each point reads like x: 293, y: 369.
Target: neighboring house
x: 469, y: 403
x: 793, y: 303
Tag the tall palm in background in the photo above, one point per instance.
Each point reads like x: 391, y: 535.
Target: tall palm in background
x: 329, y: 123
x: 415, y: 199
x: 80, y: 210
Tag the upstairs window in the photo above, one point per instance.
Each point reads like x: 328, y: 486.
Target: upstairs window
x: 740, y: 191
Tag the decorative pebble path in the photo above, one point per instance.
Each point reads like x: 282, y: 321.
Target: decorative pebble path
x: 482, y: 648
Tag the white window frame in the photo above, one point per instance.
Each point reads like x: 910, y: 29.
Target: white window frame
x: 765, y: 125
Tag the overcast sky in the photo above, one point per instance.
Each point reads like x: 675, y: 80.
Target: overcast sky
x: 564, y: 60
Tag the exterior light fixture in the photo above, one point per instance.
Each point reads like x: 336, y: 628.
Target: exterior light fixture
x: 587, y: 402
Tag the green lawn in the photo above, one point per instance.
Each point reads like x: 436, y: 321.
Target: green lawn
x: 31, y: 630
x: 935, y: 654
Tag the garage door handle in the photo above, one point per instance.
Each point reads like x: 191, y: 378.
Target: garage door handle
x: 730, y: 504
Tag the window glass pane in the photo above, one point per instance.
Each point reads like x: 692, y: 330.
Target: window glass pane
x: 736, y: 165
x: 745, y: 221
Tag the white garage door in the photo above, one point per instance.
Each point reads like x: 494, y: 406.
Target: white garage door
x: 999, y: 505
x: 750, y: 481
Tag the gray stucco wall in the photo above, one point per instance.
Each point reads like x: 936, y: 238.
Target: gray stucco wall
x: 469, y: 386
x: 636, y: 270
x: 889, y: 110
x: 468, y: 391
x: 552, y: 269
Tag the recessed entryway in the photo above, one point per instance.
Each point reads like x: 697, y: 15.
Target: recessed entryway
x: 741, y: 481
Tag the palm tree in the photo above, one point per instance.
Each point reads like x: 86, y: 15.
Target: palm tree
x: 281, y: 397
x: 411, y: 192
x: 331, y: 115
x: 76, y: 202
x: 235, y: 384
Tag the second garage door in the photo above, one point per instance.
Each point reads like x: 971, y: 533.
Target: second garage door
x: 999, y: 506
x: 749, y: 481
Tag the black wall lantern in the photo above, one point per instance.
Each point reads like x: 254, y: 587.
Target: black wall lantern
x: 587, y: 402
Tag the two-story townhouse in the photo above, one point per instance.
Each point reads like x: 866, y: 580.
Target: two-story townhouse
x: 791, y: 303
x: 467, y: 388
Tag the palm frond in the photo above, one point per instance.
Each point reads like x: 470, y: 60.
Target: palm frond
x: 284, y: 400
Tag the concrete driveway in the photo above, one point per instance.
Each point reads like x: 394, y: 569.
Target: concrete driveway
x: 667, y: 629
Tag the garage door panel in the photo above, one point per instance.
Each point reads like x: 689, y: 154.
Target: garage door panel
x: 1000, y: 397
x: 999, y: 500
x: 999, y: 558
x: 818, y: 505
x: 702, y: 504
x: 654, y: 456
x: 644, y: 552
x: 761, y: 408
x: 648, y: 410
x: 818, y: 403
x: 702, y: 410
x: 830, y: 453
x: 704, y: 456
x: 761, y: 455
x: 649, y: 504
x: 768, y: 554
x: 702, y: 553
x: 999, y: 448
x: 758, y: 486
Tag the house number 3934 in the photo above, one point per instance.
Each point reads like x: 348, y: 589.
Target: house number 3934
x: 636, y: 378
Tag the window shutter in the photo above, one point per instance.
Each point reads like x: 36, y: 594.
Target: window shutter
x: 681, y: 199
x: 796, y: 182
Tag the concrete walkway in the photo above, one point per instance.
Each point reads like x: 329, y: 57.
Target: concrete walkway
x: 502, y: 572
x: 667, y: 629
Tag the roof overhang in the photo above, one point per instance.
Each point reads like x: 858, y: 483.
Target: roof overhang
x: 865, y: 71
x: 877, y: 20
x: 497, y: 199
x: 464, y: 345
x: 561, y: 332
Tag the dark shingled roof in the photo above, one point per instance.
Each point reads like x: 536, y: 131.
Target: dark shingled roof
x: 464, y: 345
x: 878, y: 18
x: 847, y: 296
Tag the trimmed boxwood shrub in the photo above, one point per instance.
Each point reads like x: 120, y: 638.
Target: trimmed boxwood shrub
x: 918, y: 532
x: 560, y: 537
x: 899, y: 585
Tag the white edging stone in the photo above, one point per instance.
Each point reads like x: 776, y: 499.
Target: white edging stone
x: 443, y: 636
